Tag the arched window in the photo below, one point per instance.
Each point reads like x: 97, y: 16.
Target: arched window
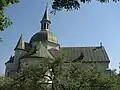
x: 44, y: 26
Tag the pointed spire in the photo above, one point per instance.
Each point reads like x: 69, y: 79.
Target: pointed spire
x: 45, y: 22
x: 46, y: 14
x: 101, y: 44
x: 11, y: 57
x: 20, y: 44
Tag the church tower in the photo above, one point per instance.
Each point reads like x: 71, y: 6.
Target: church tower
x: 12, y: 65
x: 19, y: 50
x: 45, y: 22
x: 48, y: 39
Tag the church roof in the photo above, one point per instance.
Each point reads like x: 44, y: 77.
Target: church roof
x: 40, y: 52
x: 11, y: 60
x: 88, y: 53
x: 44, y: 36
x: 20, y: 44
x: 46, y: 16
x: 28, y: 46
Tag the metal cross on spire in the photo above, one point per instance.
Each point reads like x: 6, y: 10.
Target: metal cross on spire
x: 46, y: 5
x: 101, y: 44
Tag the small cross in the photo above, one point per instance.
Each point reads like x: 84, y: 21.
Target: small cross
x: 46, y: 5
x: 100, y: 44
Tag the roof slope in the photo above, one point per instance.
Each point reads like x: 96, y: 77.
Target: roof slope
x: 11, y: 60
x: 89, y: 53
x: 44, y: 36
x: 46, y: 15
x: 20, y: 44
x: 40, y: 51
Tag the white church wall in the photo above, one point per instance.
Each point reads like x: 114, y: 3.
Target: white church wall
x: 104, y: 65
x: 51, y: 47
x: 10, y: 65
x: 31, y: 61
x: 18, y: 55
x: 7, y: 71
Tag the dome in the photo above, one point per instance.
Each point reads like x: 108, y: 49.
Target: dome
x: 44, y: 36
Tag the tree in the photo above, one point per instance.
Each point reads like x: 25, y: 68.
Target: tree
x: 73, y: 4
x: 57, y: 5
x: 4, y: 21
x: 5, y: 83
x: 54, y: 76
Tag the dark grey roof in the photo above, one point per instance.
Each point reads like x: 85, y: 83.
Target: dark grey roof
x: 89, y: 53
x: 11, y: 60
x: 28, y: 46
x: 46, y: 16
x: 20, y: 44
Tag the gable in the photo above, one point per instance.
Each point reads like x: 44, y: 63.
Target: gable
x: 38, y: 51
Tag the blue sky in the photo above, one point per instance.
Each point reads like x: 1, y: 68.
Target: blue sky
x: 92, y: 24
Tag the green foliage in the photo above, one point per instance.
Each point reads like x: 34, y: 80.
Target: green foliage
x: 5, y: 83
x: 69, y: 5
x: 4, y: 21
x: 36, y: 77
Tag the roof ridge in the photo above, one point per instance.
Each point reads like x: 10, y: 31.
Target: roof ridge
x: 82, y: 47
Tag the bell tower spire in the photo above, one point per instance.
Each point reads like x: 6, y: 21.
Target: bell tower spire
x: 45, y: 22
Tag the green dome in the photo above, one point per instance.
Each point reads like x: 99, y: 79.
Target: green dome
x: 44, y: 36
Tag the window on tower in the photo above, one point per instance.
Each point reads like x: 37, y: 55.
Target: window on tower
x: 44, y: 25
x: 8, y: 74
x: 47, y: 26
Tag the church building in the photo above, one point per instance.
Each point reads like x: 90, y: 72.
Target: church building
x: 44, y: 44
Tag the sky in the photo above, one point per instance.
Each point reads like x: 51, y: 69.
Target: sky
x: 91, y: 24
